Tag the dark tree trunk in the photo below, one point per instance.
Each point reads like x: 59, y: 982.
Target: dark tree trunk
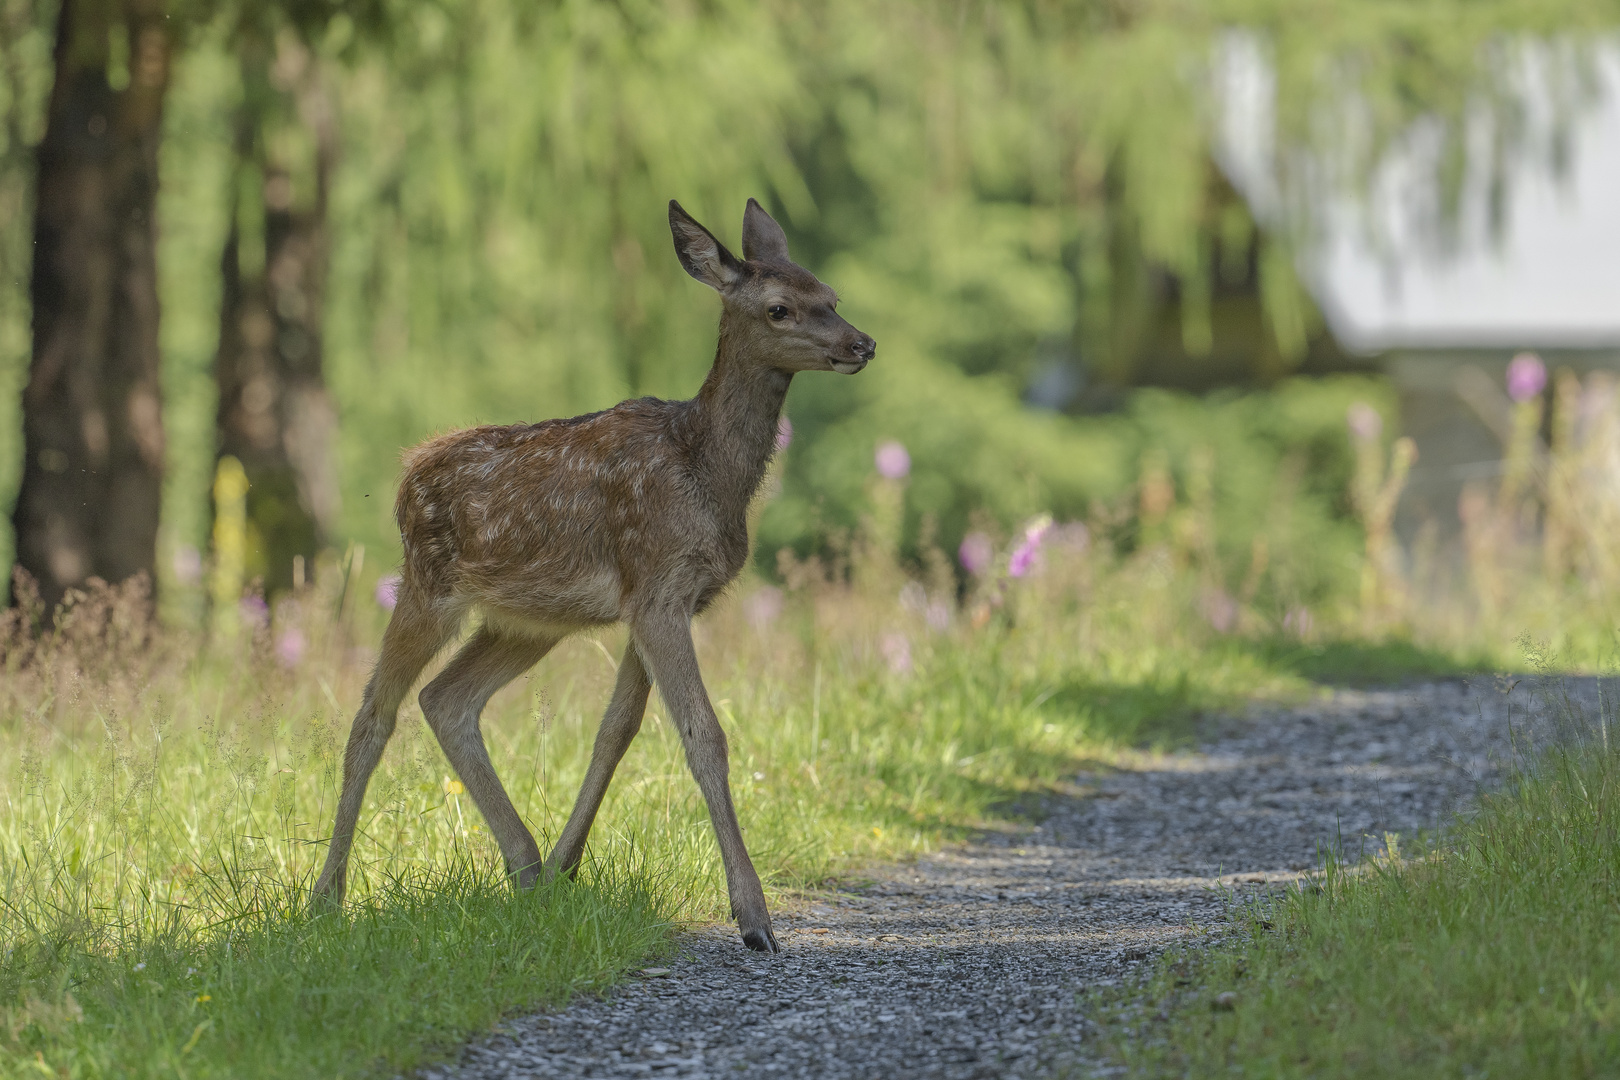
x: 274, y: 412
x: 92, y: 410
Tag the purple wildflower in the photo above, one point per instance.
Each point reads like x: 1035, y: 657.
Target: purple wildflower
x: 784, y: 433
x: 388, y: 591
x: 1365, y: 422
x: 255, y: 612
x: 290, y: 647
x: 892, y: 461
x: 1298, y: 621
x: 1526, y: 377
x: 1023, y: 557
x: 975, y: 553
x: 1221, y: 610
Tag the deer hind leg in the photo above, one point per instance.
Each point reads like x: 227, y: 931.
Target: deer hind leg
x: 413, y: 636
x: 665, y: 644
x: 452, y: 703
x: 620, y: 724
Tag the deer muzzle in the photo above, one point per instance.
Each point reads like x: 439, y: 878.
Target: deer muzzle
x: 861, y: 351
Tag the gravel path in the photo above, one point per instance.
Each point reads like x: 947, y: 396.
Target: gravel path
x: 967, y: 963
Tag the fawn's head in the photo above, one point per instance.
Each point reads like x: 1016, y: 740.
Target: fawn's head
x: 775, y: 308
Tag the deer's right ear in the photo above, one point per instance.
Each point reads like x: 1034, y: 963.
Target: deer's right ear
x: 704, y: 257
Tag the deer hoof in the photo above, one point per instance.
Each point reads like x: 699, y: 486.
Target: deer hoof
x: 325, y: 899
x: 550, y: 872
x: 761, y: 941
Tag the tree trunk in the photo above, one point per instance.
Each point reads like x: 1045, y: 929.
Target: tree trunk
x: 274, y: 413
x: 92, y: 410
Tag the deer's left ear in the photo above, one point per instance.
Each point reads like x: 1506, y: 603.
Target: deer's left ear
x: 704, y: 257
x: 763, y: 239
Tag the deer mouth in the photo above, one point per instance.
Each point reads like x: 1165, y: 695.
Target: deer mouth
x: 847, y: 367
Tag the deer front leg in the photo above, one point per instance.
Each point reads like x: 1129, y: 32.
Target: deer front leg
x: 665, y: 644
x: 620, y: 724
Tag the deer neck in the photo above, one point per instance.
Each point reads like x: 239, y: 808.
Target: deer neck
x: 739, y: 405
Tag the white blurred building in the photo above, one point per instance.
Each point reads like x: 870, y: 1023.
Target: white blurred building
x: 1529, y: 259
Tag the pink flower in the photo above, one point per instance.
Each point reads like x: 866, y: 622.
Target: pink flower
x: 1298, y: 621
x: 1221, y: 610
x: 187, y: 565
x: 938, y: 616
x: 763, y: 607
x: 975, y: 553
x: 784, y: 432
x: 1365, y: 422
x: 892, y: 461
x: 255, y: 612
x: 896, y: 652
x: 388, y: 591
x: 1023, y: 557
x: 1526, y: 377
x: 290, y: 647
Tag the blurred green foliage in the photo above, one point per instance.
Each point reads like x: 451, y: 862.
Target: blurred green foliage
x: 984, y: 183
x: 1277, y: 461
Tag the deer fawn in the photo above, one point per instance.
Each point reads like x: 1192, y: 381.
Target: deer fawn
x: 634, y: 514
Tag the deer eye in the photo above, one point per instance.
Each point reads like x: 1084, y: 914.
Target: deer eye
x: 778, y: 312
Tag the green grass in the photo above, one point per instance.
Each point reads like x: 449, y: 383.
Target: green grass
x: 165, y: 805
x: 417, y: 965
x: 1353, y: 662
x: 1496, y: 953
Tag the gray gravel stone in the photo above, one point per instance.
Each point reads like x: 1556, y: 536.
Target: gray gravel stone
x: 969, y: 963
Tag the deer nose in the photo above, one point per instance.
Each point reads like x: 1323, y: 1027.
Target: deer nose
x: 864, y: 348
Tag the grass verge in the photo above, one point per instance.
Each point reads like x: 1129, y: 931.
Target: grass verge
x: 166, y: 806
x: 418, y: 964
x: 1496, y: 954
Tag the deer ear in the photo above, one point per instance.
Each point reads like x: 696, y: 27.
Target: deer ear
x: 704, y: 257
x: 763, y: 238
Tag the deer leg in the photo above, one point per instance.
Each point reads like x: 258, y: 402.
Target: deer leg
x: 452, y: 703
x: 620, y: 724
x: 412, y: 638
x: 666, y: 646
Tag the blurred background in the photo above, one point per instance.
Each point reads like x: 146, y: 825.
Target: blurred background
x: 1180, y: 273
